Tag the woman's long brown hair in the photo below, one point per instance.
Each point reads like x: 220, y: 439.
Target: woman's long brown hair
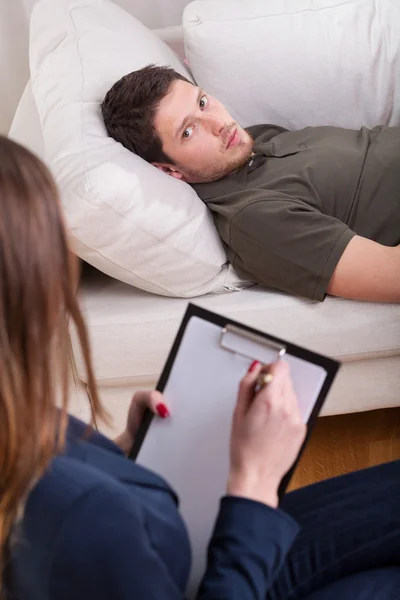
x: 38, y: 283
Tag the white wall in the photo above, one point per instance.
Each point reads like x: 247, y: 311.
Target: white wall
x: 13, y: 58
x: 14, y: 39
x: 155, y: 13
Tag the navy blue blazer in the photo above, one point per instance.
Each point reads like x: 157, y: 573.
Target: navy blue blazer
x: 98, y: 526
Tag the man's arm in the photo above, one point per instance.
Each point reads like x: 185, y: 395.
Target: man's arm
x: 367, y: 271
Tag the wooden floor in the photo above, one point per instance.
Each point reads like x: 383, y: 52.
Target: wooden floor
x: 346, y: 443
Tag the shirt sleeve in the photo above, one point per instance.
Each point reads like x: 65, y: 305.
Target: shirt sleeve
x: 104, y: 552
x: 286, y: 244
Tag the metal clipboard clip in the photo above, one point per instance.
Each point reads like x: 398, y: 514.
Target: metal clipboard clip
x: 248, y: 344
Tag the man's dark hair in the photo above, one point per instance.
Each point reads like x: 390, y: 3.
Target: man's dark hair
x: 130, y: 106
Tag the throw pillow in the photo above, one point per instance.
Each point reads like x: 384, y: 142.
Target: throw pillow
x: 127, y: 218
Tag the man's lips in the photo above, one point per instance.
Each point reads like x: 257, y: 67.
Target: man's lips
x: 231, y: 137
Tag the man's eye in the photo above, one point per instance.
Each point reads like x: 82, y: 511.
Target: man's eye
x: 187, y: 133
x: 203, y: 102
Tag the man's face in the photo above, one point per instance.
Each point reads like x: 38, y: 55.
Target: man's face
x: 199, y: 135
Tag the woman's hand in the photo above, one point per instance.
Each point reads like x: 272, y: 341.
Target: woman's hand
x: 141, y: 401
x: 267, y: 434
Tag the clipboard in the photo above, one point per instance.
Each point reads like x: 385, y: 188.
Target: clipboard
x: 209, y: 356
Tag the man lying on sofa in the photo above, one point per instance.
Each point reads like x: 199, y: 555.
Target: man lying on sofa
x: 311, y: 212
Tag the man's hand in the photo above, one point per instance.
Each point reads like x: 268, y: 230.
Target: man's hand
x: 141, y: 401
x: 367, y: 271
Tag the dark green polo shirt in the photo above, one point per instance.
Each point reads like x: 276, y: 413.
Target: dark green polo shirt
x: 288, y: 215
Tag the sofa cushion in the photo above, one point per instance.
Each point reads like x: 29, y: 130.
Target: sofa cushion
x: 297, y: 63
x: 132, y: 331
x: 126, y: 217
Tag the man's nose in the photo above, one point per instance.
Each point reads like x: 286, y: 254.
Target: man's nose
x: 216, y: 124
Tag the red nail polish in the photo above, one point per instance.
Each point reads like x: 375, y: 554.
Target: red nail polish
x: 162, y: 410
x: 253, y: 366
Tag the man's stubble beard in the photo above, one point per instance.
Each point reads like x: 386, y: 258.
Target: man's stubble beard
x: 212, y: 174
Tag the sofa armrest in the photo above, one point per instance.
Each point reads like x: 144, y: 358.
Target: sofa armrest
x: 173, y: 36
x: 25, y: 128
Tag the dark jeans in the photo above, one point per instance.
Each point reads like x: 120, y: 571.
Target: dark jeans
x: 349, y: 545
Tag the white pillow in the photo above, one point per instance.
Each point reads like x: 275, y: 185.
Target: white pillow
x: 296, y: 63
x: 127, y: 218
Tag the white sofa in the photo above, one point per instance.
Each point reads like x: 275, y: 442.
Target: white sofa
x: 131, y: 331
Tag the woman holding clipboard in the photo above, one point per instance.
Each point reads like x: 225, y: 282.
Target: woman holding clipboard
x: 79, y: 521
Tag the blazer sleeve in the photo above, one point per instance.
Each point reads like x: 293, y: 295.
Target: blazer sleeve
x: 247, y: 549
x: 104, y: 552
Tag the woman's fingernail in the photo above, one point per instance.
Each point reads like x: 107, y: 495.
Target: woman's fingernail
x: 253, y: 366
x: 162, y: 411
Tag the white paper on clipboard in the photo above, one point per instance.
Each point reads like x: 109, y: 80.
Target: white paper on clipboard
x: 191, y: 448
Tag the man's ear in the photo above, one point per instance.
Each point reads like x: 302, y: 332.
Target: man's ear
x: 168, y: 169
